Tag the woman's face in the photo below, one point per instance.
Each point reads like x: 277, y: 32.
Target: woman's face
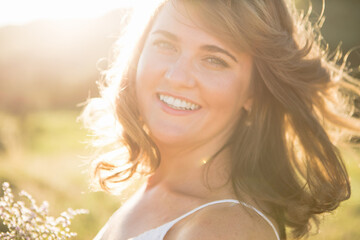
x: 190, y: 86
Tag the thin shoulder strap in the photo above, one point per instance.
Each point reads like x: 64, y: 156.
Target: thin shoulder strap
x: 204, y: 206
x: 172, y: 223
x: 160, y: 232
x: 263, y: 216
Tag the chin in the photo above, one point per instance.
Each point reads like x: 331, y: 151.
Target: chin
x: 168, y: 138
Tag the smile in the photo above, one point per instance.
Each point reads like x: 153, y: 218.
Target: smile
x: 178, y: 104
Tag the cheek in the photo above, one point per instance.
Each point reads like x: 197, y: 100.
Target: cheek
x: 144, y: 79
x: 149, y: 71
x: 148, y: 79
x: 225, y: 91
x: 142, y: 69
x: 141, y: 82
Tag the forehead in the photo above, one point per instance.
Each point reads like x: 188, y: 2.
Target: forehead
x: 175, y: 18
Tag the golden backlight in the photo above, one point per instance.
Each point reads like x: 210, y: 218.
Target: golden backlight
x: 17, y: 12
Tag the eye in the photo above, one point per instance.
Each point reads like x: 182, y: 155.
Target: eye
x: 164, y: 45
x: 216, y: 62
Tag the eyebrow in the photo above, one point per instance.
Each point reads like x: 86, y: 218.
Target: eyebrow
x: 214, y: 49
x: 208, y: 48
x: 167, y: 34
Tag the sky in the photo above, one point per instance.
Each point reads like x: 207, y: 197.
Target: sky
x: 17, y: 12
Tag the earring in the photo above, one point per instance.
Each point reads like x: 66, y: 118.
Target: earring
x: 247, y: 117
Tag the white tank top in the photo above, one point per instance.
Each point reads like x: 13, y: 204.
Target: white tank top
x: 160, y: 232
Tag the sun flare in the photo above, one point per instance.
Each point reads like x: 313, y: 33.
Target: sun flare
x: 17, y: 12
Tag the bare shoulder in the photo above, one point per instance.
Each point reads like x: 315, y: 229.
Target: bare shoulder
x: 226, y: 221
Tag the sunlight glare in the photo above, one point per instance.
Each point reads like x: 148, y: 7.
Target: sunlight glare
x: 23, y: 11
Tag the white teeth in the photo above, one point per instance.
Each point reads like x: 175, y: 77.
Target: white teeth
x: 170, y: 100
x: 178, y: 103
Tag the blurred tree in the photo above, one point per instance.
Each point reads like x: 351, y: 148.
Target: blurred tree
x: 341, y: 24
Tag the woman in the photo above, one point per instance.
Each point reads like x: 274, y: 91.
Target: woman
x: 226, y: 110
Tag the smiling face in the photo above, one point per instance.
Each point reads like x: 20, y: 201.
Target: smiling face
x: 190, y: 86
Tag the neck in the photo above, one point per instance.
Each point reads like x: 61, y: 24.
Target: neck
x: 189, y: 171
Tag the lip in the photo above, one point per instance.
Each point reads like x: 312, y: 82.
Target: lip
x: 173, y: 111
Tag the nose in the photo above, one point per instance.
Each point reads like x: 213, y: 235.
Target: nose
x: 179, y: 73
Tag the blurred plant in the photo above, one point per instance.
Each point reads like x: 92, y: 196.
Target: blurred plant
x: 33, y: 222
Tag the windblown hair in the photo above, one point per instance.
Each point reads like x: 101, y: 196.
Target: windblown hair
x: 283, y: 151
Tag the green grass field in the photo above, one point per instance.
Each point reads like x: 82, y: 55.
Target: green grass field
x: 44, y: 154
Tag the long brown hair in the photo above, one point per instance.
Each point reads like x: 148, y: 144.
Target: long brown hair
x: 283, y: 151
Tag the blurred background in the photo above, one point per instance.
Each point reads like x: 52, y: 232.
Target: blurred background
x: 51, y: 54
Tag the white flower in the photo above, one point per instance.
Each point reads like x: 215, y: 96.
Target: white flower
x: 33, y: 222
